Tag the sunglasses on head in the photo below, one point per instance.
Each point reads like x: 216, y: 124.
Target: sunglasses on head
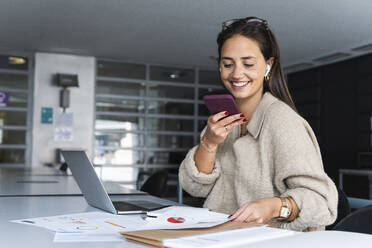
x: 251, y: 20
x: 247, y: 20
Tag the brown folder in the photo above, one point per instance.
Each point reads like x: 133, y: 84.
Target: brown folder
x: 155, y: 237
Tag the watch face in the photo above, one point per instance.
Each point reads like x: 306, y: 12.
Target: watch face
x: 284, y: 213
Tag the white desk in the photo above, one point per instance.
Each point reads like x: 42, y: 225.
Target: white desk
x: 17, y: 235
x: 46, y: 181
x: 326, y: 239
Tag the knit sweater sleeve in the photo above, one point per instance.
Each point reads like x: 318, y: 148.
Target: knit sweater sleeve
x: 299, y: 171
x: 194, y: 182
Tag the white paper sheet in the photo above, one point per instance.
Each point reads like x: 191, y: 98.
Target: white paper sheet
x: 92, y: 222
x: 65, y: 119
x: 100, y: 226
x: 231, y: 238
x: 63, y: 134
x: 177, y: 217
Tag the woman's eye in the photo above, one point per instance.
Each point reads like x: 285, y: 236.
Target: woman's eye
x: 227, y: 65
x: 248, y: 65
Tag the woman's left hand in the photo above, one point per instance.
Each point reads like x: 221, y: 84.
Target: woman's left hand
x: 258, y: 211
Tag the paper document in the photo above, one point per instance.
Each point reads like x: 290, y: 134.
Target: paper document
x: 229, y: 238
x: 101, y: 226
x: 177, y: 217
x: 92, y: 222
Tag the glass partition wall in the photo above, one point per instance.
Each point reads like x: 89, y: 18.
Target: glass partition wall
x: 147, y: 117
x: 15, y: 119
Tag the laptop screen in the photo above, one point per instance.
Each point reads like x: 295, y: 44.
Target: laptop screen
x: 87, y: 180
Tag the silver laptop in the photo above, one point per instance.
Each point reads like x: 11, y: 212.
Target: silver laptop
x: 93, y: 190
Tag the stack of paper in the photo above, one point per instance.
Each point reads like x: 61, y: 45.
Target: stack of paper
x: 177, y: 217
x: 92, y: 226
x: 195, y: 227
x: 229, y: 238
x: 156, y: 237
x: 100, y: 226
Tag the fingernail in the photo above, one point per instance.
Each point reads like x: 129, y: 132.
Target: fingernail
x: 230, y: 216
x: 226, y: 113
x: 242, y: 115
x: 244, y: 120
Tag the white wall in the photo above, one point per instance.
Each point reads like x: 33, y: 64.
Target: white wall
x: 46, y: 94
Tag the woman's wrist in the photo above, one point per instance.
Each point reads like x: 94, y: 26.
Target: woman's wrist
x: 207, y: 145
x: 276, y: 207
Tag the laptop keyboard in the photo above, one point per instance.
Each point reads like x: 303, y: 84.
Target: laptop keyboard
x: 134, y: 205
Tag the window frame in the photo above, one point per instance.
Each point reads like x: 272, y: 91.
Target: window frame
x: 146, y: 115
x: 27, y: 147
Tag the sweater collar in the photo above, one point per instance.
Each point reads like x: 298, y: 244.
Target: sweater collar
x: 255, y: 124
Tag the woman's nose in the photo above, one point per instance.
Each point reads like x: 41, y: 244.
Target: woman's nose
x: 237, y: 72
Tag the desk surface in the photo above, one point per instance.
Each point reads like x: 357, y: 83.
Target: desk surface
x: 47, y: 181
x: 18, y: 235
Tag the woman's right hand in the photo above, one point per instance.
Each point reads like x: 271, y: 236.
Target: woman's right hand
x: 218, y: 128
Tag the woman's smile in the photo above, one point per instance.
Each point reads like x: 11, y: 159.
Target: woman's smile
x: 240, y: 85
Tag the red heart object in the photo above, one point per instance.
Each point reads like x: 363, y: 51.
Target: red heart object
x: 176, y: 220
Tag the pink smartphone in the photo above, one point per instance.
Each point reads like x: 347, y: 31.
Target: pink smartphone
x: 219, y: 103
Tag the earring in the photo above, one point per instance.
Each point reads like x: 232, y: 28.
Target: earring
x: 267, y: 77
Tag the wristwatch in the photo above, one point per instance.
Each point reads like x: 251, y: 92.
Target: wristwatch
x: 285, y: 212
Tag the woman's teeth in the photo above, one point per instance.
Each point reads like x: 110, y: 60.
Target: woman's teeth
x: 239, y: 84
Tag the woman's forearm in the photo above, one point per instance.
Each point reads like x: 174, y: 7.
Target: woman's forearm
x: 205, y: 156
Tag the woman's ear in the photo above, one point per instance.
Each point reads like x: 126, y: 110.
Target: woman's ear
x: 269, y: 65
x: 270, y: 61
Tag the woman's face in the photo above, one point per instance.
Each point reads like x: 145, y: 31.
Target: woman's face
x: 242, y: 67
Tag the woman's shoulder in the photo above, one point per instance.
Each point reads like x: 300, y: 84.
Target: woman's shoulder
x: 279, y: 108
x: 283, y: 124
x: 280, y: 116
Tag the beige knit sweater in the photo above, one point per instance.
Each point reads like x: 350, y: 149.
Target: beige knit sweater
x: 278, y: 157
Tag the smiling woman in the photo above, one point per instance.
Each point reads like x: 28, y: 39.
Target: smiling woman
x: 262, y: 165
x: 258, y: 52
x: 243, y: 76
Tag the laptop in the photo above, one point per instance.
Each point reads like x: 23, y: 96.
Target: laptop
x: 94, y: 192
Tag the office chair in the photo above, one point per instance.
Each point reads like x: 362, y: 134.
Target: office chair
x: 343, y: 208
x: 156, y: 184
x: 358, y: 221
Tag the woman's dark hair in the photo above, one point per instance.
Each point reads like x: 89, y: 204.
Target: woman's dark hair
x: 258, y: 30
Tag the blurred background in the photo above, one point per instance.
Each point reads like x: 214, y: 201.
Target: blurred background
x: 124, y: 80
